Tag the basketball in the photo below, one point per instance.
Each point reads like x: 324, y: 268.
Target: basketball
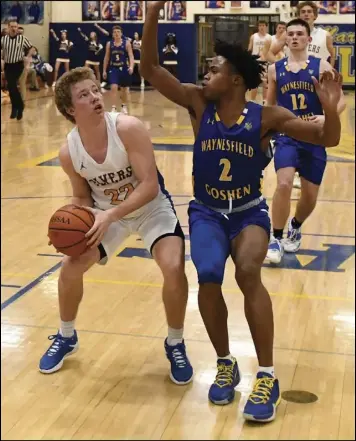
x: 67, y: 228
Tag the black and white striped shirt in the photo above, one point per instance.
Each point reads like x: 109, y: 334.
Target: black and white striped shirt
x: 14, y: 48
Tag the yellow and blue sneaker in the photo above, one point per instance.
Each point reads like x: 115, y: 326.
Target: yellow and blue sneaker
x: 222, y: 391
x: 262, y: 403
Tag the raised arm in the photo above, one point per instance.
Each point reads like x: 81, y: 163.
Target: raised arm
x: 327, y: 67
x: 54, y: 34
x: 80, y: 187
x: 328, y: 134
x: 266, y: 52
x: 106, y: 59
x: 102, y: 30
x: 181, y: 94
x: 83, y: 35
x: 278, y: 45
x: 250, y: 44
x: 272, y: 86
x: 331, y: 49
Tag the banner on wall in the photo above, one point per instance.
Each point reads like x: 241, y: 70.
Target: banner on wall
x: 260, y: 4
x: 177, y: 11
x: 327, y: 7
x: 214, y: 5
x: 26, y: 12
x: 236, y: 4
x: 91, y: 11
x: 347, y: 7
x: 133, y: 11
x: 344, y: 43
x: 110, y: 10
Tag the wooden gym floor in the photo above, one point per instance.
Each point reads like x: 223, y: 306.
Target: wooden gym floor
x: 117, y: 385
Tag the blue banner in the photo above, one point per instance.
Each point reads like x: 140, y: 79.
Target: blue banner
x: 344, y: 43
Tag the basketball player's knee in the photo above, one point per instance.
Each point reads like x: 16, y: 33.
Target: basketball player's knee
x: 72, y: 267
x: 285, y: 184
x: 173, y: 268
x: 247, y: 272
x: 210, y: 272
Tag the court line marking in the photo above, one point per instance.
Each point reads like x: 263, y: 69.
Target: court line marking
x: 49, y: 276
x: 29, y: 286
x: 10, y: 286
x: 157, y: 337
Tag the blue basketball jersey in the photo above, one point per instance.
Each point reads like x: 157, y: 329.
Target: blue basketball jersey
x: 228, y: 162
x: 133, y: 10
x: 118, y: 54
x: 296, y: 91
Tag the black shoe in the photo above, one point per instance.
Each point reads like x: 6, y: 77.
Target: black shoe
x: 19, y: 114
x: 13, y: 114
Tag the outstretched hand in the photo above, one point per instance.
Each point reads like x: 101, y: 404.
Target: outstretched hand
x: 329, y: 90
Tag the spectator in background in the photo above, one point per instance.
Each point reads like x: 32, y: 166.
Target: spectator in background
x: 38, y: 68
x: 16, y: 12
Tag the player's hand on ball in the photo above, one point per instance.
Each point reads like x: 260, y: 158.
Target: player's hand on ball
x: 96, y: 233
x: 329, y: 89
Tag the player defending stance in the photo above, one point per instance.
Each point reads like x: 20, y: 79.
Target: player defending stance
x: 229, y: 216
x: 110, y: 163
x: 120, y: 57
x: 291, y: 86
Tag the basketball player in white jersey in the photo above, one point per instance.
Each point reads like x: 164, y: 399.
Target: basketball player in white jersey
x: 110, y: 162
x: 256, y: 46
x: 280, y: 34
x: 321, y: 45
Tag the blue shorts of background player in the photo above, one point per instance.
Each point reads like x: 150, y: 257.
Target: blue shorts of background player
x: 211, y: 235
x: 119, y: 76
x: 309, y: 160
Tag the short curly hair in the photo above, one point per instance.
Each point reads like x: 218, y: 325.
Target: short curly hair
x: 63, y: 89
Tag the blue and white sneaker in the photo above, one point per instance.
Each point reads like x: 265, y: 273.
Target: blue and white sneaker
x: 60, y: 349
x: 294, y: 239
x: 275, y: 250
x: 181, y: 369
x: 222, y: 391
x: 262, y: 403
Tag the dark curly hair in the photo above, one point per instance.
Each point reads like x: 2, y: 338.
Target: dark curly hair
x: 242, y: 62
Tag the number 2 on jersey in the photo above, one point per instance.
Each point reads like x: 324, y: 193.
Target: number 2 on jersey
x: 225, y: 177
x: 125, y: 190
x: 298, y: 101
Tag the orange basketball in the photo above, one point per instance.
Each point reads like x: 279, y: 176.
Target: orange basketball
x: 67, y: 228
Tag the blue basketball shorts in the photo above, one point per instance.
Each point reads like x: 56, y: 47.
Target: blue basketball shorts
x: 211, y: 234
x: 119, y: 76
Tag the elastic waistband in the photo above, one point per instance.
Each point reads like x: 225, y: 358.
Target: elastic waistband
x: 247, y: 206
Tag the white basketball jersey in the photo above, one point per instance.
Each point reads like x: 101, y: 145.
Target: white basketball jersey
x: 112, y: 181
x: 318, y: 47
x: 259, y: 42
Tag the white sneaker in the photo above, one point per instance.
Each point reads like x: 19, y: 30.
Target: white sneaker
x: 294, y: 239
x: 103, y: 84
x: 275, y: 250
x: 296, y: 181
x: 53, y: 84
x: 124, y: 109
x: 142, y: 84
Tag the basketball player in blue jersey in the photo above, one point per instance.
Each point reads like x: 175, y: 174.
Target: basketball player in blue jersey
x: 291, y: 86
x: 229, y: 216
x: 119, y: 56
x: 133, y: 11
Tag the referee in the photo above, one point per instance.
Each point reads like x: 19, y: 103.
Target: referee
x: 13, y: 46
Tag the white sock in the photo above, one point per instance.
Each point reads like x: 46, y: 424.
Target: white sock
x: 268, y: 370
x: 67, y: 329
x: 228, y: 357
x: 175, y: 336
